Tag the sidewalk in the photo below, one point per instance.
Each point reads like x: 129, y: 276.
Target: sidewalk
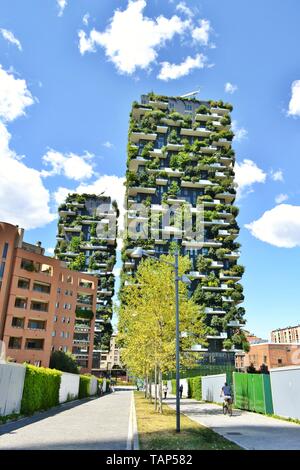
x: 251, y: 431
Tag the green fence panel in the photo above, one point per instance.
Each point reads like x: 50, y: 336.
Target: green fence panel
x: 252, y: 392
x: 241, y: 399
x: 268, y: 395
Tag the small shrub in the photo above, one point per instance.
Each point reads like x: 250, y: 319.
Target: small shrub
x: 41, y: 389
x: 84, y: 386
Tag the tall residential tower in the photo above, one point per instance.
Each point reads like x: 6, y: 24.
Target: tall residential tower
x: 179, y: 153
x: 86, y: 241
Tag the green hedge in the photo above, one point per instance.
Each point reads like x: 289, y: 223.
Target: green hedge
x: 84, y: 386
x: 41, y: 389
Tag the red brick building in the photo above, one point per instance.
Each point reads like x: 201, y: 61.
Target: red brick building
x: 271, y: 354
x: 44, y: 306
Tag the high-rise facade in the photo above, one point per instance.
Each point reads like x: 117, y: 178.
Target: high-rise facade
x: 44, y: 306
x: 180, y: 155
x: 86, y: 241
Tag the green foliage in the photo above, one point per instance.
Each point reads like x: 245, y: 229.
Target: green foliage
x: 65, y: 362
x: 173, y: 138
x: 79, y: 263
x: 84, y: 386
x: 74, y: 244
x: 41, y: 389
x: 84, y: 313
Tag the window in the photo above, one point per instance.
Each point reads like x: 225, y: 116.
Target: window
x: 70, y: 280
x: 23, y: 283
x: 41, y: 287
x: 36, y: 324
x: 58, y: 290
x: 56, y: 304
x: 55, y: 318
x: 17, y: 322
x: 2, y: 267
x: 53, y: 333
x: 5, y: 250
x: 188, y: 107
x: 265, y: 359
x: 34, y: 344
x: 29, y: 265
x: 20, y: 303
x: 14, y: 343
x: 62, y: 334
x: 39, y: 306
x: 63, y: 319
x: 37, y: 363
x: 279, y: 361
x: 67, y: 335
x: 65, y: 349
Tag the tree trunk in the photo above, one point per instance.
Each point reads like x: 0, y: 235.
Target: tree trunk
x: 160, y: 391
x: 155, y: 385
x: 145, y: 386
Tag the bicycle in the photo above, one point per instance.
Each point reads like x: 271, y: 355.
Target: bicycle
x: 227, y: 406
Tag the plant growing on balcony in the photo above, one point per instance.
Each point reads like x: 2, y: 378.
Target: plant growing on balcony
x: 84, y: 313
x: 78, y: 264
x: 173, y: 138
x: 227, y: 344
x: 203, y: 109
x: 147, y: 149
x: 132, y: 151
x: 74, y: 244
x: 175, y: 116
x: 203, y: 263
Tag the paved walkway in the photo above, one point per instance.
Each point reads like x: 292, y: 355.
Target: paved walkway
x: 251, y: 431
x: 95, y: 424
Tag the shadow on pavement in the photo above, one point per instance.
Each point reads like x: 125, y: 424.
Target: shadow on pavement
x: 40, y: 415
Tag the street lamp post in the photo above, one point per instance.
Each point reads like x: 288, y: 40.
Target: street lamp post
x: 138, y: 253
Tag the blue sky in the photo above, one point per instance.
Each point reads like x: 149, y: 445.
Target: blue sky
x: 70, y: 71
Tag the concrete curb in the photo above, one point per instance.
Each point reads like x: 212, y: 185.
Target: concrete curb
x: 132, y: 439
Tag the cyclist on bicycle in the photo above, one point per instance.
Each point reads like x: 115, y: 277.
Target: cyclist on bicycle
x: 226, y: 393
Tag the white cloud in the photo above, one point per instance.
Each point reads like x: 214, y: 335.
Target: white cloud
x: 77, y: 167
x: 202, y: 33
x: 183, y: 8
x: 240, y: 133
x: 108, y: 145
x: 294, y: 104
x: 85, y: 44
x: 23, y: 198
x: 279, y: 226
x: 131, y: 40
x: 281, y: 198
x: 10, y: 37
x: 248, y: 173
x: 86, y: 18
x: 277, y: 175
x: 14, y: 96
x: 173, y: 71
x: 50, y: 251
x: 230, y: 88
x: 61, y: 6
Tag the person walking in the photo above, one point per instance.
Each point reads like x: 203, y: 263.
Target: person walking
x: 181, y: 390
x: 165, y: 390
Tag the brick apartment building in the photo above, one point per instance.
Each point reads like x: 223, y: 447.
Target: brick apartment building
x: 291, y: 334
x: 44, y: 306
x: 271, y: 354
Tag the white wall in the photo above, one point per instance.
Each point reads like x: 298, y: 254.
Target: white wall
x: 212, y: 386
x: 104, y: 386
x: 93, y: 386
x: 11, y: 388
x: 183, y: 382
x: 69, y: 387
x: 285, y: 385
